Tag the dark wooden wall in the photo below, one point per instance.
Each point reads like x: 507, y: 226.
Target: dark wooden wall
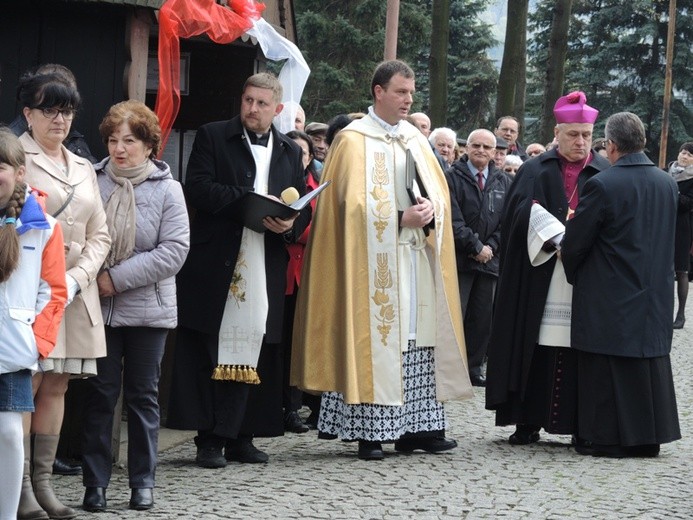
x: 87, y: 38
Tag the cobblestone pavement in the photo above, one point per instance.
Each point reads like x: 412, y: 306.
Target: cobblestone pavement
x: 483, y: 478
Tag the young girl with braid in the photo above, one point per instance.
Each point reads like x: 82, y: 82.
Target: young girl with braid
x: 33, y: 293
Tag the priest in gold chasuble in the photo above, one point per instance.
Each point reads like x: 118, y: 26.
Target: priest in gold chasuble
x: 378, y: 322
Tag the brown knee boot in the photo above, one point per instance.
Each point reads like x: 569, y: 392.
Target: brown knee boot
x: 45, y: 447
x: 29, y: 508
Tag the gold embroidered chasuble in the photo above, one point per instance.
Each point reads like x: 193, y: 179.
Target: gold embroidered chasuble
x: 353, y: 311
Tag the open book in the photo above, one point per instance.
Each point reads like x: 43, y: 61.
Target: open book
x: 255, y: 207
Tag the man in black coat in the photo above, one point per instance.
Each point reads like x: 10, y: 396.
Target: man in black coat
x: 618, y: 253
x: 529, y: 384
x: 478, y: 188
x: 508, y: 128
x: 229, y: 159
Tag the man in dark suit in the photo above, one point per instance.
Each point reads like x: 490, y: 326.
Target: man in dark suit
x: 618, y: 253
x: 508, y: 128
x: 231, y: 288
x: 478, y: 188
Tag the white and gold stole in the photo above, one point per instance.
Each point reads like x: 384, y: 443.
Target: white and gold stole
x: 401, y: 281
x: 245, y: 313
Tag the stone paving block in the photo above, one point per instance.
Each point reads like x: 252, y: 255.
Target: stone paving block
x: 484, y: 478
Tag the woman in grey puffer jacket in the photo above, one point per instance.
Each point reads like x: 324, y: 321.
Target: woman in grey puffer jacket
x: 149, y: 228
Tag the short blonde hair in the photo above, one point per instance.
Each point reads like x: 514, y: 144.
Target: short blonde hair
x: 268, y: 81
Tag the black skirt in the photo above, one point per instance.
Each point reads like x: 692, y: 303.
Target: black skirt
x: 626, y: 401
x: 682, y: 242
x: 550, y: 398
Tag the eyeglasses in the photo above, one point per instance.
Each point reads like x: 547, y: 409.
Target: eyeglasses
x: 52, y: 113
x: 477, y: 146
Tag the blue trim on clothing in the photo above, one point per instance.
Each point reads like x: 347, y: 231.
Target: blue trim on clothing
x: 32, y: 216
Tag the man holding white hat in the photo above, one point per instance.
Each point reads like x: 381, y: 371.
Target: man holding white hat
x: 531, y: 376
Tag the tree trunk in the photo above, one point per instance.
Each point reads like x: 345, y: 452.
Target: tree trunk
x: 521, y: 83
x: 555, y: 66
x: 438, y: 64
x: 512, y: 79
x: 391, y: 27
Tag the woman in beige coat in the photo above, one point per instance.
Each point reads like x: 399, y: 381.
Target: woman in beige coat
x: 72, y: 196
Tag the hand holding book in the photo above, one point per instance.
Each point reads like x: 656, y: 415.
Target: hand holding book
x: 254, y: 207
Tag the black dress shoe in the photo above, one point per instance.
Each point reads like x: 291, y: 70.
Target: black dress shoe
x: 312, y: 421
x: 602, y: 450
x: 428, y: 444
x: 293, y: 423
x: 141, y: 499
x: 477, y: 380
x: 210, y: 457
x: 65, y: 467
x: 94, y: 499
x: 243, y: 450
x: 524, y: 434
x: 370, y: 450
x: 679, y: 322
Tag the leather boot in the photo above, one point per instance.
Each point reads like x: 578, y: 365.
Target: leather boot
x: 29, y: 508
x: 45, y: 447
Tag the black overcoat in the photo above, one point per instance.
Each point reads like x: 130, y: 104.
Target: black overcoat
x: 618, y: 253
x: 522, y: 289
x: 478, y: 221
x: 221, y: 169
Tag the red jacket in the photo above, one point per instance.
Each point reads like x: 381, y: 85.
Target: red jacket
x: 296, y: 250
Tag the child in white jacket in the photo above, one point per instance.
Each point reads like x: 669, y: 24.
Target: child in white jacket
x: 32, y: 302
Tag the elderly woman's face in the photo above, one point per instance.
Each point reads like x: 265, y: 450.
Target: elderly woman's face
x: 125, y: 149
x: 685, y: 158
x: 49, y: 126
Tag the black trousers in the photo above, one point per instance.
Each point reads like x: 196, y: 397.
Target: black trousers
x: 476, y: 295
x: 134, y: 357
x: 291, y: 395
x: 222, y: 410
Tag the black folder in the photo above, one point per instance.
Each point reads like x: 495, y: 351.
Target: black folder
x: 255, y: 207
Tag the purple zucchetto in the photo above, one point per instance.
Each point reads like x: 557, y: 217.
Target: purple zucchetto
x: 573, y: 108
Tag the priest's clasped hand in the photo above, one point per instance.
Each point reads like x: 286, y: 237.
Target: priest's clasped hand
x: 278, y: 225
x: 418, y: 215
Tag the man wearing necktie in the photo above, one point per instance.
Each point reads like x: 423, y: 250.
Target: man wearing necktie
x: 227, y: 376
x: 477, y: 190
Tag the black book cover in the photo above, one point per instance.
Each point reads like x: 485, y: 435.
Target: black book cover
x: 255, y: 207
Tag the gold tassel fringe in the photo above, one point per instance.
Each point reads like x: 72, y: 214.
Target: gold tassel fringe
x: 240, y: 373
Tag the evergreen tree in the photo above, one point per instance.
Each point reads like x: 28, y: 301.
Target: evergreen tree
x: 343, y: 40
x: 472, y: 76
x: 616, y: 55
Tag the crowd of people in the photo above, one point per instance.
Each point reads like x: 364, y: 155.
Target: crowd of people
x: 428, y: 266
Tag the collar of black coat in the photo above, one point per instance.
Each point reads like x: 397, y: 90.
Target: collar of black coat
x: 597, y: 163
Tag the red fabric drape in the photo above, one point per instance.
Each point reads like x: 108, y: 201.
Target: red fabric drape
x: 184, y: 19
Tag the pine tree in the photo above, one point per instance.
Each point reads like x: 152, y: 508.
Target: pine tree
x: 616, y: 56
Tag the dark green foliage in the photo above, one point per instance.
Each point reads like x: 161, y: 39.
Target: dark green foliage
x: 343, y: 41
x: 616, y: 55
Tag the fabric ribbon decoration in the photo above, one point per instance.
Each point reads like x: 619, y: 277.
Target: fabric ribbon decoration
x: 185, y: 19
x: 294, y: 73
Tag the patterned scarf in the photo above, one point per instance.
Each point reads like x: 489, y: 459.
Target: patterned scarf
x: 121, y: 209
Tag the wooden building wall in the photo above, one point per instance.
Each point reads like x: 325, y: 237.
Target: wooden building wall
x: 87, y: 38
